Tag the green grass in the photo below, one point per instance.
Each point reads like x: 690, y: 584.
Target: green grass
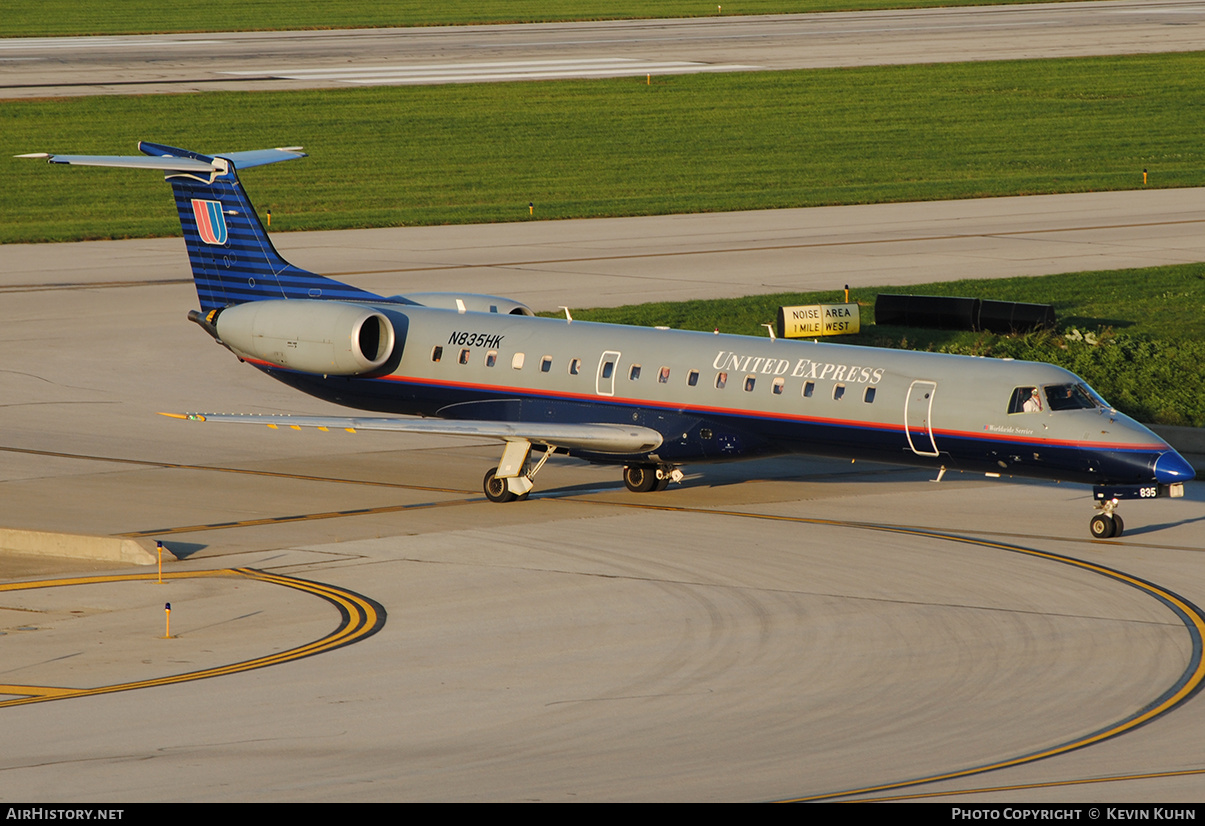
x: 1148, y: 325
x: 24, y: 18
x: 1161, y: 302
x: 480, y: 153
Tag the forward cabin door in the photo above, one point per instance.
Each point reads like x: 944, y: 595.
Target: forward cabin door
x: 918, y: 417
x: 608, y: 364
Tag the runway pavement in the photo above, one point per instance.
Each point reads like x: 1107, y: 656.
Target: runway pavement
x: 769, y: 630
x: 41, y: 67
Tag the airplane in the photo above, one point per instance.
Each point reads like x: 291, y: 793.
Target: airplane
x: 646, y: 399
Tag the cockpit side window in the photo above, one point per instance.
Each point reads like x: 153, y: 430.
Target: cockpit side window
x: 1025, y: 400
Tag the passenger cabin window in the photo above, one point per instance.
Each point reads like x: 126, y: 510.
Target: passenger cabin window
x: 464, y: 356
x: 868, y: 396
x: 575, y: 367
x: 838, y: 392
x: 516, y: 361
x: 545, y: 364
x: 491, y: 358
x: 692, y: 378
x: 749, y: 382
x: 634, y: 372
x: 1025, y: 400
x: 607, y: 369
x: 721, y: 380
x: 779, y: 383
x: 437, y: 353
x: 809, y: 387
x: 663, y: 375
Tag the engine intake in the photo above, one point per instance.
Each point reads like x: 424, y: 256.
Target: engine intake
x: 327, y: 337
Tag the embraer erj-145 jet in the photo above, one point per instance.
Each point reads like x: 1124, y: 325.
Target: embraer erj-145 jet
x: 646, y: 399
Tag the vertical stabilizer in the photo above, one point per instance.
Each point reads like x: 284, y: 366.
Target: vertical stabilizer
x: 233, y: 261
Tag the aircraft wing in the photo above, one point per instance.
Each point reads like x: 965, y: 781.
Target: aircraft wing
x: 594, y: 437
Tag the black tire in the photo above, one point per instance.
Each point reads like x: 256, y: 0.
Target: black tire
x: 662, y: 484
x: 1102, y: 526
x: 496, y: 489
x: 1118, y: 525
x: 640, y: 478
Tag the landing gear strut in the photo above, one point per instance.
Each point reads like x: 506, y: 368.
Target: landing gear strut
x: 645, y: 478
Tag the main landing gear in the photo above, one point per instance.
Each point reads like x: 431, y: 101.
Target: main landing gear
x: 512, y: 481
x: 645, y: 478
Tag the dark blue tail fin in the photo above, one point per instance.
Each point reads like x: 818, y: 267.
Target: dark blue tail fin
x: 232, y: 259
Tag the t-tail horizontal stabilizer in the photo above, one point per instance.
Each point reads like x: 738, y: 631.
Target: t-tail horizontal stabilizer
x: 233, y: 261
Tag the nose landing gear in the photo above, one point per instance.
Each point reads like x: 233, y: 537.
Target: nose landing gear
x: 1106, y: 524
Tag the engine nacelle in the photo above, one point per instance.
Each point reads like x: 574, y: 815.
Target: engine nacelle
x: 327, y: 337
x: 472, y: 303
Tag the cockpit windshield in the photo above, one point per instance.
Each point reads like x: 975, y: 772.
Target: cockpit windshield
x: 1069, y: 397
x: 1055, y: 397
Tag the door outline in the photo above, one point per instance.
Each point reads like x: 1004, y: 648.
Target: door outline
x: 605, y: 386
x: 918, y: 414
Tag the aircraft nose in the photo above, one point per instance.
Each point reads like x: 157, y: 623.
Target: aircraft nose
x: 1171, y: 467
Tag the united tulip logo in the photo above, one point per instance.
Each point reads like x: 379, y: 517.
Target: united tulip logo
x: 211, y: 223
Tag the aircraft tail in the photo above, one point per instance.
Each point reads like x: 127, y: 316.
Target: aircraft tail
x: 233, y: 260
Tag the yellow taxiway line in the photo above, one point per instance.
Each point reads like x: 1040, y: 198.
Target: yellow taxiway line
x: 360, y: 618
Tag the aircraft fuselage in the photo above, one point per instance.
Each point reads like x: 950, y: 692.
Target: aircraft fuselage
x: 723, y: 397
